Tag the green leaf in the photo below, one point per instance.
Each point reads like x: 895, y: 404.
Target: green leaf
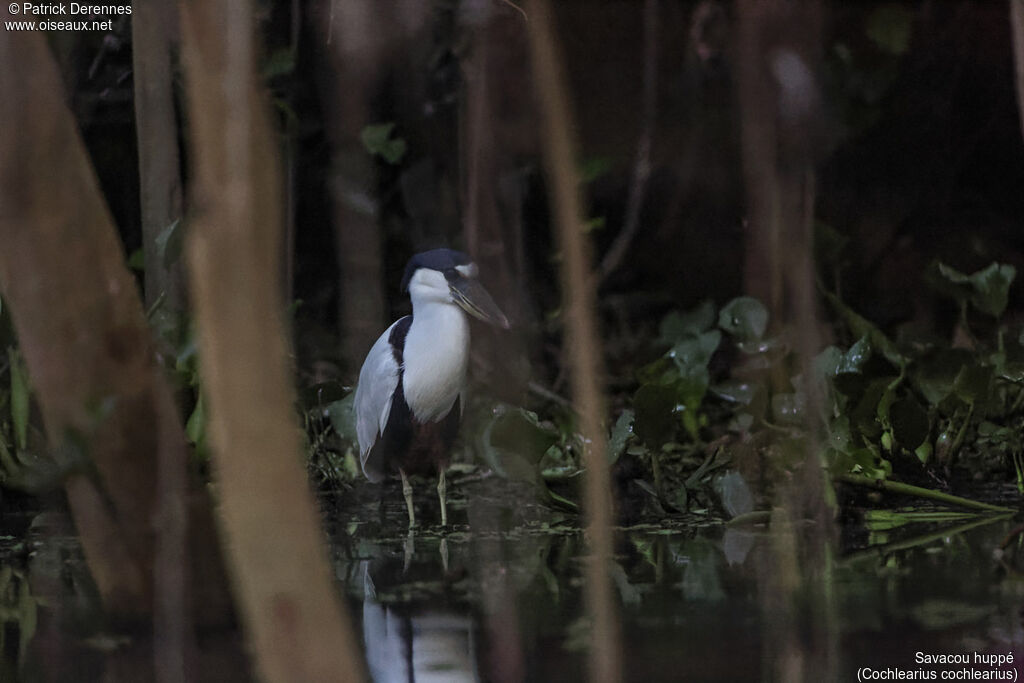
x: 888, y: 27
x: 690, y: 390
x: 839, y: 434
x: 661, y: 371
x: 342, y: 415
x: 856, y: 357
x: 862, y: 327
x: 826, y: 364
x: 593, y: 168
x: 677, y: 326
x: 137, y: 260
x: 511, y: 465
x: 992, y: 288
x: 655, y: 407
x: 934, y: 374
x: 924, y: 452
x: 195, y: 427
x: 20, y: 393
x: 695, y: 352
x: 865, y: 416
x: 378, y: 141
x: 745, y: 318
x: 861, y: 461
x: 520, y: 431
x: 621, y: 432
x: 987, y: 290
x: 280, y: 63
x: 973, y: 383
x: 514, y: 442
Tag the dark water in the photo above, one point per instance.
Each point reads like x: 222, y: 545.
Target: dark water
x: 507, y: 597
x: 499, y: 596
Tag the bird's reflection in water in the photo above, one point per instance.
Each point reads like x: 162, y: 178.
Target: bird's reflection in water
x: 408, y: 642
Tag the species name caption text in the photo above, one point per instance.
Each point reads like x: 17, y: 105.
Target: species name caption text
x: 72, y: 16
x: 947, y: 666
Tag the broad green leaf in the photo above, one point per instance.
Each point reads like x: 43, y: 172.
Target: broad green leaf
x: 839, y: 433
x: 690, y: 390
x: 987, y: 289
x: 861, y: 461
x: 864, y: 416
x: 826, y: 364
x: 973, y: 383
x: 992, y: 288
x: 676, y: 326
x: 514, y: 442
x: 520, y: 431
x: 661, y: 371
x: 695, y: 352
x: 745, y: 318
x: 934, y: 374
x: 856, y: 357
x: 511, y: 465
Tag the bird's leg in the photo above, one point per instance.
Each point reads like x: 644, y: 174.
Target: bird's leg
x: 442, y: 491
x: 407, y: 492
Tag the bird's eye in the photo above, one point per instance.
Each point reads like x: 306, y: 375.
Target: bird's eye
x: 451, y: 274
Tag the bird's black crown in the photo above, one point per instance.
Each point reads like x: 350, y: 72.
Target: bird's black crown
x: 435, y: 259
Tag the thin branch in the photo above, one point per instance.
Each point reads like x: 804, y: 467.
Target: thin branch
x: 605, y: 661
x: 548, y: 394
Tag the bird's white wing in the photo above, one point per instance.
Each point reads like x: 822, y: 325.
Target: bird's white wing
x: 377, y: 381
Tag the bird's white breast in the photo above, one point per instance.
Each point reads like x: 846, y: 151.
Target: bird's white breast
x: 435, y: 357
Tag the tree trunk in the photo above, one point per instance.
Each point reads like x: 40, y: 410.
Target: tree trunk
x: 80, y: 325
x: 283, y: 583
x: 154, y: 24
x: 778, y: 52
